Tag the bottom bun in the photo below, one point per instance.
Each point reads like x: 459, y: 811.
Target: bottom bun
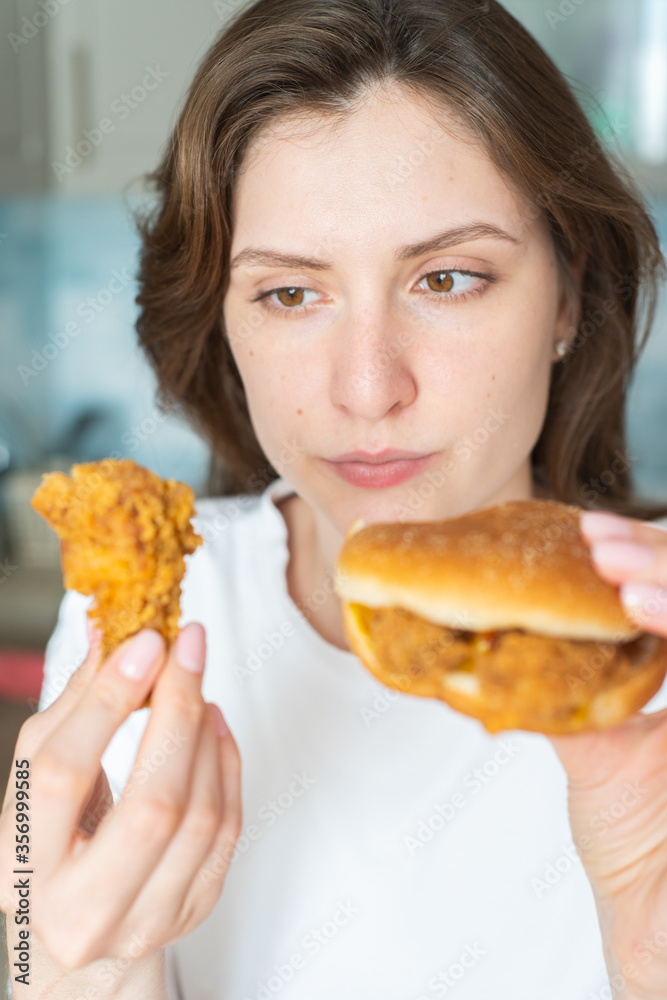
x: 526, y: 699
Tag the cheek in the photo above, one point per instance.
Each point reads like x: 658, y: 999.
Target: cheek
x: 499, y: 364
x: 280, y: 394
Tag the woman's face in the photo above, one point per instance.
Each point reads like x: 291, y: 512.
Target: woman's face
x: 368, y: 345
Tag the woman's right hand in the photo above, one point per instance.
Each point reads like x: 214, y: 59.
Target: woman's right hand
x: 109, y: 880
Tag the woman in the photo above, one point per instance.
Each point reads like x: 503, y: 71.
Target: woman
x: 381, y: 227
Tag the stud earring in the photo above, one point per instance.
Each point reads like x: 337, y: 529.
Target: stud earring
x: 561, y: 347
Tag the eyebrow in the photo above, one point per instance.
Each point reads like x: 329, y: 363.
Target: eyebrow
x: 257, y: 256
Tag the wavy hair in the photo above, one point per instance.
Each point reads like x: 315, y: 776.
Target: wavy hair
x: 280, y: 58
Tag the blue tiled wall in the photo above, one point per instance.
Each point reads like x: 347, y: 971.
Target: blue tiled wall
x: 67, y: 267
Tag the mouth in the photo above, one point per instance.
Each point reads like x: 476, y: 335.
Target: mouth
x: 378, y: 457
x: 376, y: 471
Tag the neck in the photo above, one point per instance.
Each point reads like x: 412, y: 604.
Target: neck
x: 313, y: 548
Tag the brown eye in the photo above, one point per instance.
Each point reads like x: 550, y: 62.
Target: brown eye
x: 293, y: 296
x: 440, y: 281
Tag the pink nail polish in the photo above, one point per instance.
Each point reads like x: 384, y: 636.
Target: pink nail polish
x: 622, y: 555
x: 648, y: 597
x: 190, y: 648
x: 140, y: 654
x: 602, y: 524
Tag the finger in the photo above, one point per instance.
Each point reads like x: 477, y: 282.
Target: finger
x: 618, y: 560
x: 597, y: 524
x: 161, y: 898
x: 41, y: 723
x: 625, y: 549
x: 66, y: 765
x: 154, y: 800
x: 207, y: 886
x: 646, y: 605
x: 37, y: 726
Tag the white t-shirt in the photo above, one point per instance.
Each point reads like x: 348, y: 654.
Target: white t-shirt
x: 391, y: 847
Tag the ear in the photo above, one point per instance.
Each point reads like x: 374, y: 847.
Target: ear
x: 569, y: 308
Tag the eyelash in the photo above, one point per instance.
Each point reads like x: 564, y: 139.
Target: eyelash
x: 436, y: 296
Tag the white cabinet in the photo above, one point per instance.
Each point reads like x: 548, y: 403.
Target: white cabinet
x: 91, y: 87
x: 23, y: 116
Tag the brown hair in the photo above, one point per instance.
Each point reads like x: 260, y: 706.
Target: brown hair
x: 294, y: 57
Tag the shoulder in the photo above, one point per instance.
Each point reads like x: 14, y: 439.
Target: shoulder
x: 239, y: 538
x: 214, y: 515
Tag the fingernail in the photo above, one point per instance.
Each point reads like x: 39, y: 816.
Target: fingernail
x: 190, y: 648
x: 646, y: 597
x: 141, y: 653
x: 600, y: 524
x: 220, y: 725
x: 623, y: 555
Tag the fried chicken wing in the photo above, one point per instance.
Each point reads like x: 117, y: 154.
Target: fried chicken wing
x: 124, y: 533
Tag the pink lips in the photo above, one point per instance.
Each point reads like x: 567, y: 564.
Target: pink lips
x: 372, y: 458
x: 385, y: 468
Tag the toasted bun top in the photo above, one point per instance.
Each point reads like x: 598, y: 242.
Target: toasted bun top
x: 520, y: 564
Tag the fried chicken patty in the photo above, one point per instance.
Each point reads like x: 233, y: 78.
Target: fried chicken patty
x: 124, y: 533
x: 547, y: 677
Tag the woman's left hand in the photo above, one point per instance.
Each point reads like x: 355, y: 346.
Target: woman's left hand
x: 617, y: 779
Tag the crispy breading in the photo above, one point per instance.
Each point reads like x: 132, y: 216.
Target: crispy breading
x: 520, y: 675
x: 124, y: 533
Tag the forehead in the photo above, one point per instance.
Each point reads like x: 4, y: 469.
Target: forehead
x: 394, y: 160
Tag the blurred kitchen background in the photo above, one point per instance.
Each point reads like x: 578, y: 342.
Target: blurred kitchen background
x: 68, y: 251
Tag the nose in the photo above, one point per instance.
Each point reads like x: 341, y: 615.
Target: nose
x: 372, y: 374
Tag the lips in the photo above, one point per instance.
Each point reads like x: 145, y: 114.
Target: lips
x: 373, y: 458
x: 377, y: 471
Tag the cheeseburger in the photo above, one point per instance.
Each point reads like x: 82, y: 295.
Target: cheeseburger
x: 501, y: 614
